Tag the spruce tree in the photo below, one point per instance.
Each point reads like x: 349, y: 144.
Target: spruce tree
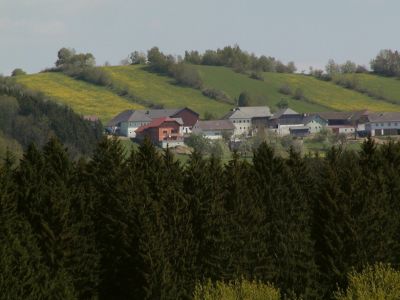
x: 332, y: 229
x: 106, y: 190
x: 245, y: 243
x: 24, y: 272
x: 286, y: 223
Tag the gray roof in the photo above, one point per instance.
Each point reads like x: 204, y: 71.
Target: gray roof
x: 284, y: 111
x: 384, y: 117
x: 161, y: 113
x: 129, y: 116
x: 213, y: 125
x: 249, y: 112
x: 310, y: 118
x: 342, y: 115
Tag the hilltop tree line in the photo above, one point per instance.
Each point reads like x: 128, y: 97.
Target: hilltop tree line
x: 27, y: 116
x: 147, y: 227
x: 386, y: 63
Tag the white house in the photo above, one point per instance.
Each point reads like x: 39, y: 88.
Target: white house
x: 215, y: 129
x: 127, y: 122
x: 245, y: 119
x: 385, y: 123
x: 314, y: 123
x: 284, y: 120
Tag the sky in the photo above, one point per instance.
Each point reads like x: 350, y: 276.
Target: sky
x: 308, y: 32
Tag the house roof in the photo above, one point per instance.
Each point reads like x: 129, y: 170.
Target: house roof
x: 284, y: 111
x: 384, y: 117
x: 310, y: 118
x: 158, y: 122
x: 129, y: 116
x: 248, y: 112
x: 342, y: 115
x: 214, y: 125
x: 169, y: 112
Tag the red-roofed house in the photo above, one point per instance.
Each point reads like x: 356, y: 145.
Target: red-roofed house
x: 164, y: 132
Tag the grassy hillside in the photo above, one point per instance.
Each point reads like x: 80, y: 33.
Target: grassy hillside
x: 84, y: 98
x: 388, y: 88
x: 87, y: 98
x: 322, y: 95
x: 162, y: 90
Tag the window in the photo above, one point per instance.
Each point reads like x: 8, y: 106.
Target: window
x: 395, y: 124
x: 382, y: 124
x: 389, y: 124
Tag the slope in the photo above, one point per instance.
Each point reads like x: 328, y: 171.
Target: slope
x: 386, y: 88
x: 321, y: 95
x: 161, y: 90
x: 82, y: 97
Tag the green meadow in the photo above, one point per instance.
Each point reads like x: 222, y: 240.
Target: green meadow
x: 82, y: 97
x: 162, y: 90
x: 387, y: 87
x: 89, y: 99
x: 321, y: 95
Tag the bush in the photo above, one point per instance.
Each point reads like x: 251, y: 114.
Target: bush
x: 242, y: 289
x: 95, y: 76
x: 285, y: 89
x: 376, y: 282
x: 244, y: 99
x: 199, y: 143
x: 187, y: 75
x: 209, y: 116
x: 347, y: 82
x: 298, y: 94
x: 257, y: 76
x: 283, y: 103
x: 18, y: 72
x: 217, y: 95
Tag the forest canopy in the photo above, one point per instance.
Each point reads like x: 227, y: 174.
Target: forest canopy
x: 29, y: 117
x: 147, y: 227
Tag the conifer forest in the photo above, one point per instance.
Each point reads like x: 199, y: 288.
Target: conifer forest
x: 146, y: 226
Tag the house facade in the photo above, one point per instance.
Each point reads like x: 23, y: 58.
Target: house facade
x: 215, y: 129
x: 126, y: 122
x: 381, y: 124
x: 345, y: 122
x: 164, y: 132
x: 285, y: 119
x: 247, y: 119
x: 188, y: 116
x: 314, y: 123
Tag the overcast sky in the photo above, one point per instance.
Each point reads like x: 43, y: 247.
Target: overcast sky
x: 308, y: 32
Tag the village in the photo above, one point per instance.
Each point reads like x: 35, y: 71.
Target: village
x: 171, y: 127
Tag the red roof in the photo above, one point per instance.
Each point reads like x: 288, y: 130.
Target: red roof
x: 155, y: 123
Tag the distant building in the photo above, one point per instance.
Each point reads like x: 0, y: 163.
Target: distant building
x: 249, y: 118
x: 127, y: 122
x: 285, y: 119
x: 215, y: 129
x: 188, y: 116
x: 314, y: 123
x: 385, y: 123
x: 345, y: 122
x: 164, y: 132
